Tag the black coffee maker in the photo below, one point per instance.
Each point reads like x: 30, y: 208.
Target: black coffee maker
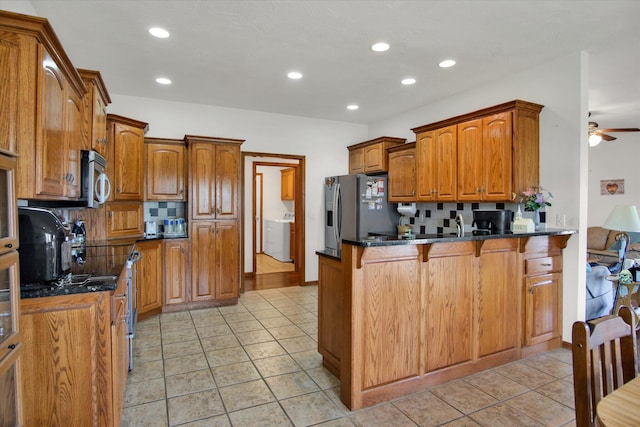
x: 45, y: 245
x: 492, y: 221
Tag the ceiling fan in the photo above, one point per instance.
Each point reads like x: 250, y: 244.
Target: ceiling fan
x: 596, y: 134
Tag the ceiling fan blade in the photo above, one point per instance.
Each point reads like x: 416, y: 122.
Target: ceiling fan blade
x: 620, y: 130
x: 607, y: 137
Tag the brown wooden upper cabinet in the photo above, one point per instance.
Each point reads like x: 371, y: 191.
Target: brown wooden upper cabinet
x: 166, y: 169
x: 42, y: 109
x: 486, y: 155
x: 214, y: 170
x: 95, y: 112
x: 402, y: 173
x: 287, y: 184
x: 371, y: 156
x: 125, y: 163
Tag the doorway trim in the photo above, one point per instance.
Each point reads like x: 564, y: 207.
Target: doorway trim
x: 299, y: 212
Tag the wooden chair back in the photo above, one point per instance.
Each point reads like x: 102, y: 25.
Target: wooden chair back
x: 604, y: 358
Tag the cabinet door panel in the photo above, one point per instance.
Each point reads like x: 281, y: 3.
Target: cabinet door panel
x: 374, y: 158
x: 9, y: 91
x: 227, y: 274
x: 497, y: 157
x: 402, y: 176
x: 74, y: 143
x: 543, y: 305
x: 470, y: 161
x: 149, y: 276
x: 356, y: 161
x: 50, y: 162
x: 165, y: 172
x: 425, y: 160
x: 446, y: 161
x: 202, y: 188
x: 176, y: 278
x: 124, y: 220
x: 204, y: 265
x: 227, y: 181
x: 128, y: 162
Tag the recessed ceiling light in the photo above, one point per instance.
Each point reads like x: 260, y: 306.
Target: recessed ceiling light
x: 158, y: 32
x: 294, y: 75
x: 163, y: 81
x: 408, y: 81
x: 352, y: 107
x: 380, y: 47
x: 447, y: 63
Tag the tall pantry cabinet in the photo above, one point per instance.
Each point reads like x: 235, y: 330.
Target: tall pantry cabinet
x: 214, y: 218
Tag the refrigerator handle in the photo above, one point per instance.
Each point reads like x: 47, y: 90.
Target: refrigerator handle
x: 338, y: 210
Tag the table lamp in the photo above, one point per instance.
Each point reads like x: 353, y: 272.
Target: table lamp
x: 623, y: 218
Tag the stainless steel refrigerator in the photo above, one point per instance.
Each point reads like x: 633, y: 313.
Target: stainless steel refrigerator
x: 356, y: 205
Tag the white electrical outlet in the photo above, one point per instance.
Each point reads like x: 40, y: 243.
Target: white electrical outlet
x: 561, y: 220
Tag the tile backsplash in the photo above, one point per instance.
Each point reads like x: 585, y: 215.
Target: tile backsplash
x: 438, y: 218
x: 158, y: 211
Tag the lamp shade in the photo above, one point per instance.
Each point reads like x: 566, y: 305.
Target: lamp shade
x: 623, y: 218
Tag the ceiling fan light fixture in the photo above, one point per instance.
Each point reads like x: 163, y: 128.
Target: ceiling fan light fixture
x: 594, y: 139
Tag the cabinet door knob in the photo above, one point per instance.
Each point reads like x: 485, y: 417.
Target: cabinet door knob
x: 8, y: 245
x: 531, y: 290
x: 12, y: 346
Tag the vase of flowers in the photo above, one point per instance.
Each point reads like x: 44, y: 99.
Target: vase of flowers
x: 534, y: 199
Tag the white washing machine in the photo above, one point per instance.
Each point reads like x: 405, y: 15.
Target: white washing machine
x: 277, y: 237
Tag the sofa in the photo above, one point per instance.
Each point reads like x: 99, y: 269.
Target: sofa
x: 603, y: 246
x: 600, y: 292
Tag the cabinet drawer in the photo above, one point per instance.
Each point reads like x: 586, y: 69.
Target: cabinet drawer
x: 543, y: 265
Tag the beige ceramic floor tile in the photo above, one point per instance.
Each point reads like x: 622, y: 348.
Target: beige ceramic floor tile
x: 226, y: 356
x: 254, y: 337
x: 177, y: 325
x: 146, y: 354
x: 180, y: 365
x: 309, y: 359
x: 426, y: 409
x: 290, y: 331
x: 266, y: 314
x: 277, y: 365
x: 290, y: 385
x: 148, y: 341
x: 276, y: 321
x: 462, y: 422
x: 246, y: 395
x: 148, y: 327
x: 219, y: 342
x: 502, y: 415
x: 561, y: 391
x: 210, y: 320
x: 549, y: 365
x: 177, y: 335
x: 194, y: 406
x: 176, y: 316
x: 297, y: 344
x: 234, y: 374
x: 323, y: 377
x: 291, y: 310
x: 190, y: 382
x: 153, y: 414
x: 205, y: 331
x: 542, y: 409
x: 270, y: 414
x: 229, y: 309
x: 496, y: 385
x: 463, y: 396
x: 218, y: 421
x: 264, y: 349
x: 181, y: 348
x: 258, y: 306
x: 525, y: 375
x: 310, y: 409
x: 143, y: 371
x: 309, y: 327
x: 340, y: 422
x: 381, y: 416
x: 238, y: 317
x: 144, y: 392
x: 249, y: 325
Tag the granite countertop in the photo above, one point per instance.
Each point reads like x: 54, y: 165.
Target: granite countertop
x: 104, y: 262
x: 423, y: 239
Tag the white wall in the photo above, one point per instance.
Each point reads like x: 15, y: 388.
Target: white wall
x: 560, y: 86
x: 322, y: 142
x: 614, y: 160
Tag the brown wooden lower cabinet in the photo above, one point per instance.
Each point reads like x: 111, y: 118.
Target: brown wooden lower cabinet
x: 397, y: 319
x: 176, y: 271
x: 149, y: 278
x: 75, y: 358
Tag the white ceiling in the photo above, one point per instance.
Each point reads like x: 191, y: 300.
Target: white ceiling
x: 237, y: 53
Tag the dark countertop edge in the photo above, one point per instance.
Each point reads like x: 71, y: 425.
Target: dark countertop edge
x: 330, y: 254
x: 67, y: 290
x: 376, y: 241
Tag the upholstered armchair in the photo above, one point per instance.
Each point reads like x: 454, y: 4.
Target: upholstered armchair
x: 599, y: 292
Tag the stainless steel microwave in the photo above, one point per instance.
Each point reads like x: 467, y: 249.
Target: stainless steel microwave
x: 96, y: 186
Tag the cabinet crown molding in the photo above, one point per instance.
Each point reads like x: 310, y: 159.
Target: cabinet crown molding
x: 389, y: 140
x: 128, y: 121
x: 190, y: 139
x: 516, y: 104
x: 95, y: 77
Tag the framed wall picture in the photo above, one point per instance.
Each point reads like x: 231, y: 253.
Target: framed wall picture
x: 610, y: 187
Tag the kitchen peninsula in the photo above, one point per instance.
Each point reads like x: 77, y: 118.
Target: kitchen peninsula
x: 399, y: 314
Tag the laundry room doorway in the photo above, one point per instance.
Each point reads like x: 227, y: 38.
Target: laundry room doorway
x: 273, y: 220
